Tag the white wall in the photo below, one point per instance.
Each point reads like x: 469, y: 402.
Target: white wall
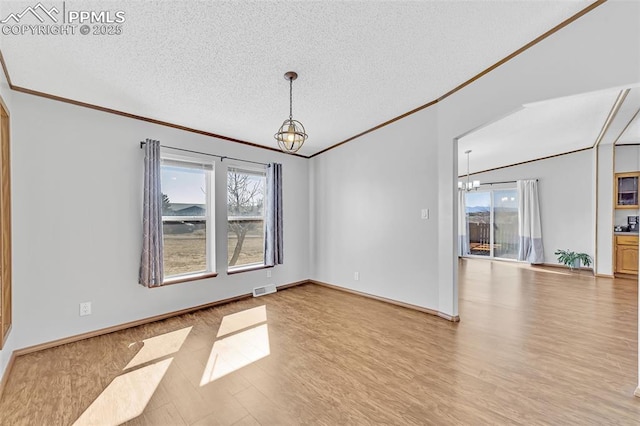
x: 410, y: 152
x: 627, y: 158
x: 604, y: 262
x: 77, y: 176
x: 368, y: 198
x: 6, y: 94
x: 566, y: 199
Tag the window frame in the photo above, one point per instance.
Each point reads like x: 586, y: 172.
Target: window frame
x: 249, y: 169
x: 206, y: 163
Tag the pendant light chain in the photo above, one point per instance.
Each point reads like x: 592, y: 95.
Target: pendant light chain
x: 291, y: 99
x: 469, y: 185
x: 468, y: 152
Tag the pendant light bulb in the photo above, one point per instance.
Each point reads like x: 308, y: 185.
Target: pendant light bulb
x: 291, y: 133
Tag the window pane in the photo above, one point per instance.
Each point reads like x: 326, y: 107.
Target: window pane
x: 479, y: 222
x: 184, y: 211
x: 505, y: 228
x: 185, y: 247
x: 245, y: 211
x: 184, y: 187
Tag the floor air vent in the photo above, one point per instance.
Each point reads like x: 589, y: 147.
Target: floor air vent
x: 261, y: 291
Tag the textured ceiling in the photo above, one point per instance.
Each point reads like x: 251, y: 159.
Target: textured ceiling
x: 218, y: 66
x: 550, y: 128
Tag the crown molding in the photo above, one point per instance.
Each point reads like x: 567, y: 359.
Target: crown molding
x: 476, y: 77
x: 575, y: 151
x: 127, y: 114
x: 379, y: 126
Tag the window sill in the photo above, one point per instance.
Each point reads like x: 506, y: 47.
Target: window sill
x: 247, y: 269
x: 187, y: 278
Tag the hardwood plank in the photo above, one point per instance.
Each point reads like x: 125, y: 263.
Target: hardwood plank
x: 537, y: 345
x: 263, y: 409
x: 164, y: 415
x: 247, y: 421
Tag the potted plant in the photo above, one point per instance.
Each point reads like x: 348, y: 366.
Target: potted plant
x: 573, y: 259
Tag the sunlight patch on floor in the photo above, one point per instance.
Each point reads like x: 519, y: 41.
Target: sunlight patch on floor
x: 126, y: 396
x: 159, y: 346
x: 243, y: 319
x: 237, y: 351
x: 537, y: 268
x: 241, y: 349
x: 560, y: 271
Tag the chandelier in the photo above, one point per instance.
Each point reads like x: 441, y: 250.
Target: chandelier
x: 291, y: 135
x: 468, y: 185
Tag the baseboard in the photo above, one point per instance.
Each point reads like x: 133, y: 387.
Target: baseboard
x: 297, y: 283
x: 7, y: 371
x: 625, y: 276
x: 455, y: 318
x: 558, y: 265
x: 604, y: 276
x: 124, y: 326
x: 6, y: 336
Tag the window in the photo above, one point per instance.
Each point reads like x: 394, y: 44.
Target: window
x: 187, y: 218
x: 245, y: 215
x: 492, y: 220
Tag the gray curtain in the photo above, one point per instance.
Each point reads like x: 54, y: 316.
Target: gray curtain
x: 463, y: 225
x: 151, y: 269
x: 529, y: 226
x: 273, y: 244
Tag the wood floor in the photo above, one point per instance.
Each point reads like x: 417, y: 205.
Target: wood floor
x: 534, y: 346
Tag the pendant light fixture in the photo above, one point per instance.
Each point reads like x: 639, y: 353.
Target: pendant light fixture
x: 291, y: 135
x: 468, y: 185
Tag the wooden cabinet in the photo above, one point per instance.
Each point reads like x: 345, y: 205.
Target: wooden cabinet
x: 626, y: 188
x: 627, y: 254
x: 5, y: 226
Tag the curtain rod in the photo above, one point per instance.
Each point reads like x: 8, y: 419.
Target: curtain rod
x: 498, y: 183
x: 221, y: 157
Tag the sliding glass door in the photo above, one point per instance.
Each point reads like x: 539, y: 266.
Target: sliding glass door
x: 505, y: 224
x: 492, y: 223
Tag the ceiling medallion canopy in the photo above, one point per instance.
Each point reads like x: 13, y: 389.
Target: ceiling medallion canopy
x: 291, y: 135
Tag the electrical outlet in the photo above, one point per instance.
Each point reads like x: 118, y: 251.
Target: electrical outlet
x: 425, y: 214
x: 356, y: 276
x: 85, y: 308
x: 268, y: 273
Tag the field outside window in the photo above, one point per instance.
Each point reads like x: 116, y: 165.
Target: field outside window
x: 186, y: 212
x: 245, y: 214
